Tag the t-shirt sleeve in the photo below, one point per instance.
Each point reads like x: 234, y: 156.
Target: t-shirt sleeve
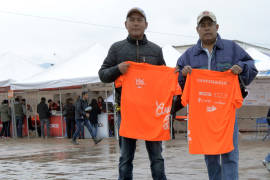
x: 186, y: 92
x: 238, y: 99
x: 118, y: 81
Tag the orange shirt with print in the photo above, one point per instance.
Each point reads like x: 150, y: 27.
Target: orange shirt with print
x: 146, y: 99
x: 213, y: 98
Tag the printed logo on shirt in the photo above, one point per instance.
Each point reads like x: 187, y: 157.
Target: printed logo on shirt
x: 162, y: 110
x: 221, y: 95
x: 139, y: 82
x: 211, y: 108
x: 219, y: 102
x: 201, y: 100
x: 205, y: 93
x: 211, y: 81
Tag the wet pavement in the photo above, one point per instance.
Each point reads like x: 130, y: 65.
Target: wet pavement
x: 57, y: 158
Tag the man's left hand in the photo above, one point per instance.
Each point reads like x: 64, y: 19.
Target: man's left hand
x: 176, y: 69
x: 236, y: 69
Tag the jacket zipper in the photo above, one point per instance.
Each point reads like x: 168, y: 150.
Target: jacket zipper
x: 137, y: 50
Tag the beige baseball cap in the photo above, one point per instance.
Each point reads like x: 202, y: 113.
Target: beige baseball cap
x: 137, y: 10
x: 206, y: 14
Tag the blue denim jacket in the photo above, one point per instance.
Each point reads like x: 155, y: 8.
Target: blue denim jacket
x: 226, y: 53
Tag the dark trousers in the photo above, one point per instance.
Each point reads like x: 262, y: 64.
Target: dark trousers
x: 5, y: 130
x: 70, y: 122
x: 80, y: 123
x: 19, y: 123
x: 127, y: 151
x: 30, y: 125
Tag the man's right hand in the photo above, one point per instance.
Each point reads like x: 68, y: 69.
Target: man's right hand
x: 123, y: 67
x: 186, y: 70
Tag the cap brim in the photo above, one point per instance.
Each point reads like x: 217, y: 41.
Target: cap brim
x: 205, y: 17
x: 135, y: 11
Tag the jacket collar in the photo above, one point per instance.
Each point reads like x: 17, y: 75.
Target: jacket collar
x: 133, y: 41
x: 218, y: 45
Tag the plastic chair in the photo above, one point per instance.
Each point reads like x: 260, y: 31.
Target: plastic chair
x: 261, y: 124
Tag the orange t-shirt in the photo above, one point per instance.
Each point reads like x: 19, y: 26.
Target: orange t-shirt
x: 213, y: 98
x: 146, y: 99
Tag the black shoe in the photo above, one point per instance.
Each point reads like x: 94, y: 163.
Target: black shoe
x: 96, y: 140
x: 74, y: 142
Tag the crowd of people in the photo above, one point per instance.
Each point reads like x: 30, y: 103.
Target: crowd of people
x: 73, y: 113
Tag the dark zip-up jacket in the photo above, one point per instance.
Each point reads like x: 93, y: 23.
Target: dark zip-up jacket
x: 128, y: 50
x: 80, y: 109
x: 43, y: 111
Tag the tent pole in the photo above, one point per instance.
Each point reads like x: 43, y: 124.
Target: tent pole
x: 116, y: 128
x: 107, y: 113
x: 14, y: 129
x: 35, y: 114
x: 61, y: 110
x: 26, y: 115
x: 106, y: 94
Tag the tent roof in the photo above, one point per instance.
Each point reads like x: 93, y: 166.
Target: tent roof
x: 82, y: 69
x: 262, y: 62
x: 171, y: 55
x: 15, y: 68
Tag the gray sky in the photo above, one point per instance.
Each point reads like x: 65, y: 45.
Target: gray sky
x: 53, y: 30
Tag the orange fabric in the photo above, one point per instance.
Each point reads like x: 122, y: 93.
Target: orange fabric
x: 213, y: 98
x: 147, y: 92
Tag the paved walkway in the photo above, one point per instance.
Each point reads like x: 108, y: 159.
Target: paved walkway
x: 57, y: 158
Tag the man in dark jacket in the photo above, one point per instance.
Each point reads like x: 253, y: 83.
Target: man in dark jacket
x: 69, y: 114
x: 213, y: 53
x: 136, y: 48
x: 81, y: 118
x: 19, y: 115
x: 44, y: 116
x: 5, y: 114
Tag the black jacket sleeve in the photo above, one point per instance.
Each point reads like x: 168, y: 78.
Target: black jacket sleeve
x: 109, y: 70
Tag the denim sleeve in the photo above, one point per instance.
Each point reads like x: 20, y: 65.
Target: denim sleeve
x: 247, y: 64
x: 181, y: 63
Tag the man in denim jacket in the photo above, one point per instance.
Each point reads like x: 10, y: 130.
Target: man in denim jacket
x: 212, y: 52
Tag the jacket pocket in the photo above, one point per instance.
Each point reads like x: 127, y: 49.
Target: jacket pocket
x: 223, y: 63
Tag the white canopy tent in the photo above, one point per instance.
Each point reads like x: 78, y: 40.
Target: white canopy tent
x: 15, y: 68
x: 262, y: 61
x: 82, y: 69
x: 171, y: 55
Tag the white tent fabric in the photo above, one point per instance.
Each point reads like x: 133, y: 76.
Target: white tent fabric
x: 170, y: 55
x: 15, y: 68
x: 109, y: 99
x: 6, y: 83
x: 82, y: 69
x: 262, y: 61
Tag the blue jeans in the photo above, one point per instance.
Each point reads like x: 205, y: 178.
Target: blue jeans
x: 227, y: 169
x: 80, y: 123
x: 267, y: 158
x: 47, y: 121
x: 127, y: 150
x: 19, y: 122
